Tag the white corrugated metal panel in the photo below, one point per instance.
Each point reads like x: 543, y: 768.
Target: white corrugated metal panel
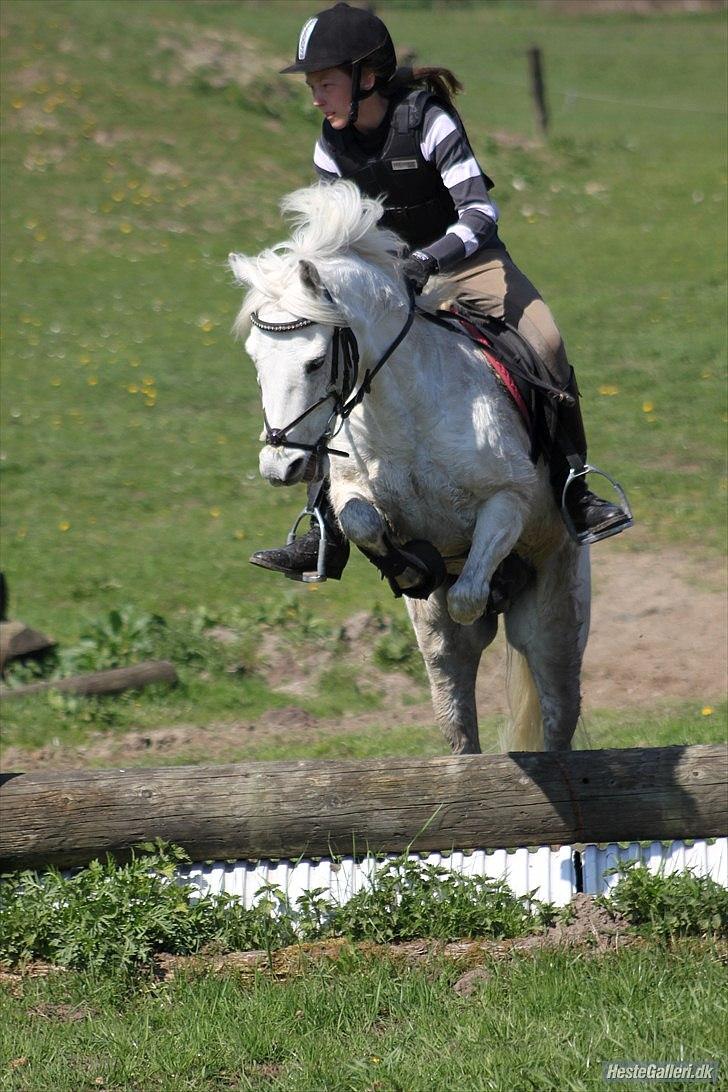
x: 702, y: 858
x: 548, y: 874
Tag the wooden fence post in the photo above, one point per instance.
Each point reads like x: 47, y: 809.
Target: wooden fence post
x: 538, y: 90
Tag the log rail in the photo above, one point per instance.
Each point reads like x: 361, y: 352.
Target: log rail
x: 322, y: 808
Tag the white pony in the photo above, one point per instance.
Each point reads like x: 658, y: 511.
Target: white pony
x: 437, y: 452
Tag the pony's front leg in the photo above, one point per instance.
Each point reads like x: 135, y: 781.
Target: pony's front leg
x: 498, y: 527
x: 364, y: 526
x: 452, y: 654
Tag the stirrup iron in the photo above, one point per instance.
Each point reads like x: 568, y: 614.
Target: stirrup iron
x: 585, y: 538
x: 318, y: 575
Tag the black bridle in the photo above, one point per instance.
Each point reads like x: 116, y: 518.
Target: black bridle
x: 344, y: 357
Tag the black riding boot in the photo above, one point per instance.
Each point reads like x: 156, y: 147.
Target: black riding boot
x: 301, y: 555
x: 592, y: 517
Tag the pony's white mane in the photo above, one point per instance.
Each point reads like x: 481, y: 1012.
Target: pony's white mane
x: 330, y: 220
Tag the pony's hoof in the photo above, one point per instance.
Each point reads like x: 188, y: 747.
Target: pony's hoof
x: 464, y: 607
x: 429, y: 569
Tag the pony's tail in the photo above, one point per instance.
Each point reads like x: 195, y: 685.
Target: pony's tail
x: 524, y: 729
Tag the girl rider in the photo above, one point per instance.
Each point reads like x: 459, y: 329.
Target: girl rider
x: 395, y: 132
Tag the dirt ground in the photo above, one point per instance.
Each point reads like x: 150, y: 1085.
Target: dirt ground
x: 659, y: 632
x: 590, y: 928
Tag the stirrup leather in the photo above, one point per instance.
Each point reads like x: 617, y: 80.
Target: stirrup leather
x: 585, y: 538
x: 317, y: 575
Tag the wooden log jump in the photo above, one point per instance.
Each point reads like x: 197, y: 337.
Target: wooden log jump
x: 289, y: 809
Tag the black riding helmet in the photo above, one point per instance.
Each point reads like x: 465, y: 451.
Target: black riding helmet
x: 343, y: 35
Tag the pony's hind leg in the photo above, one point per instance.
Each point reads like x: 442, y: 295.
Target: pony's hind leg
x: 548, y: 624
x: 452, y: 654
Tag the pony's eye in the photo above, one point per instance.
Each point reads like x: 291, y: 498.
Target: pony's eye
x: 314, y: 365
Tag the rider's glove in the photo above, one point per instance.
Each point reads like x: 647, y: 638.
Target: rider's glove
x: 418, y: 269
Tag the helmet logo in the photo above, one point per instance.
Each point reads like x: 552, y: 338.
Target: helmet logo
x: 306, y: 32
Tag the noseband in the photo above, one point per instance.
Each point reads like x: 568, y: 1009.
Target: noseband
x: 344, y: 355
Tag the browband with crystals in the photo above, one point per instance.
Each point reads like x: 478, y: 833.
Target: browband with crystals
x: 280, y: 327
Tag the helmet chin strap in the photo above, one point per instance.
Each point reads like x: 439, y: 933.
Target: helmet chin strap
x: 356, y: 93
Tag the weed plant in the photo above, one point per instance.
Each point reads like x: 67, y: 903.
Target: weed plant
x: 669, y: 905
x: 407, y: 899
x: 113, y: 917
x: 397, y: 649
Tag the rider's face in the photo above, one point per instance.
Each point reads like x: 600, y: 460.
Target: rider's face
x: 331, y: 90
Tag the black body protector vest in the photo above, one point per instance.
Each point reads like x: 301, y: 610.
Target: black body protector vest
x: 418, y: 205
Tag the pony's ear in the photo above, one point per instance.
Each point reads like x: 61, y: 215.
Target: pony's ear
x: 239, y: 266
x: 310, y: 278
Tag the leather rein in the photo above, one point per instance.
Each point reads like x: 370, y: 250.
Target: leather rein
x: 344, y: 354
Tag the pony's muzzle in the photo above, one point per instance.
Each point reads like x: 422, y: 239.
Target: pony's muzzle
x: 283, y: 466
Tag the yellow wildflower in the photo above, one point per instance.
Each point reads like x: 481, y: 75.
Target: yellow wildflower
x: 608, y: 389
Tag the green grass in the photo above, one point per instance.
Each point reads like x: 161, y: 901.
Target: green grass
x: 130, y: 417
x: 542, y: 1022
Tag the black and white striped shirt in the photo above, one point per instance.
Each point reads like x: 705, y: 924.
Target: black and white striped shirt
x: 445, y: 144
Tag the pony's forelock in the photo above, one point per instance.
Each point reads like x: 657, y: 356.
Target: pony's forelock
x: 329, y: 220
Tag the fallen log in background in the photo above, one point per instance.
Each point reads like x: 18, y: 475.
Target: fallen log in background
x: 18, y: 641
x: 113, y: 681
x: 288, y: 809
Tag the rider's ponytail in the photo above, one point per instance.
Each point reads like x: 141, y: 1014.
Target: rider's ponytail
x: 443, y: 83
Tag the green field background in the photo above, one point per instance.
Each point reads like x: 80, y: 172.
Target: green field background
x: 144, y: 141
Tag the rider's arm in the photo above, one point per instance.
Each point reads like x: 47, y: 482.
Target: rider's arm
x: 445, y: 144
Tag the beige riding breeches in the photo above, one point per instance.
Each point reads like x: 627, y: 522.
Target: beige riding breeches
x: 492, y: 283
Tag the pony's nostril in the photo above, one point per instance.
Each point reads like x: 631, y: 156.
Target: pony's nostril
x: 294, y: 469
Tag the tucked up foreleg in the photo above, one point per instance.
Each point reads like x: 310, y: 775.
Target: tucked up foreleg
x: 498, y: 527
x: 408, y: 572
